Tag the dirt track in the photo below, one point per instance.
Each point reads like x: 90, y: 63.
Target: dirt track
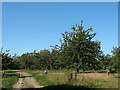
x: 26, y: 81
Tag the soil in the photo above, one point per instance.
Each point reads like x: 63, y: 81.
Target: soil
x: 26, y: 81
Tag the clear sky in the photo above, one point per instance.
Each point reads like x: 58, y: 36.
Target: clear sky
x: 35, y: 26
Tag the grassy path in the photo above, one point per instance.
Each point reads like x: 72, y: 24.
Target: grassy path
x: 26, y: 81
x: 19, y: 83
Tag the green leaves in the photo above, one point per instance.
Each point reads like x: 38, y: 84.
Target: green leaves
x: 78, y: 48
x: 73, y: 28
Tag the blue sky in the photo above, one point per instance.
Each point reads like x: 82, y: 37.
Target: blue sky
x: 35, y: 26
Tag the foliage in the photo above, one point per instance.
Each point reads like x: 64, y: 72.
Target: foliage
x: 110, y: 62
x: 77, y: 51
x: 115, y: 58
x: 7, y: 60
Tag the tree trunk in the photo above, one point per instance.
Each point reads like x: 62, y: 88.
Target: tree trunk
x: 108, y: 71
x: 76, y: 76
x: 51, y: 66
x: 70, y: 77
x: 77, y: 71
x: 28, y: 68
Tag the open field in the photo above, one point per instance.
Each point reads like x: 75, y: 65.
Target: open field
x: 59, y: 79
x: 88, y: 80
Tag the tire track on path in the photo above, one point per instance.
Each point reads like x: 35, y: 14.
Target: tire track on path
x: 26, y: 80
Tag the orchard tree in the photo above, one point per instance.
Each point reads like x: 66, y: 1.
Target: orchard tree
x: 7, y: 60
x: 106, y: 62
x: 44, y: 58
x: 115, y: 58
x: 26, y: 61
x: 54, y: 58
x: 16, y: 63
x: 115, y: 51
x: 78, y: 50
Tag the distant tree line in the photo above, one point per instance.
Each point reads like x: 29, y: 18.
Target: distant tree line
x: 77, y: 51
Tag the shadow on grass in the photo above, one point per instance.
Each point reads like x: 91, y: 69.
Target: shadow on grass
x: 57, y: 87
x: 68, y: 87
x: 63, y: 87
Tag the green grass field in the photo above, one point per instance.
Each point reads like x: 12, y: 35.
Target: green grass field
x: 9, y: 78
x: 88, y: 80
x: 60, y: 79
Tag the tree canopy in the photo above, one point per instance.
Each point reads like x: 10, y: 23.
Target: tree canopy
x: 77, y: 50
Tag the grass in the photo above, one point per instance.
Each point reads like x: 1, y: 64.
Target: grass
x: 40, y: 78
x: 8, y: 82
x: 9, y: 78
x: 99, y: 80
x: 60, y: 78
x: 10, y: 75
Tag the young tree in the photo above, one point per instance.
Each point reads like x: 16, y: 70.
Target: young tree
x: 7, y: 60
x: 54, y: 58
x: 115, y: 58
x: 45, y: 58
x: 106, y: 62
x: 26, y: 61
x: 78, y: 50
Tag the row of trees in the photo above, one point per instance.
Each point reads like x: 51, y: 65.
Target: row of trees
x: 77, y: 50
x: 52, y: 60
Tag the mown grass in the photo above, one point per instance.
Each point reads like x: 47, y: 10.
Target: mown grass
x: 60, y: 77
x: 9, y: 78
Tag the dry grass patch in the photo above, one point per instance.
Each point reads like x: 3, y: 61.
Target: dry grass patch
x: 101, y: 80
x: 96, y: 75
